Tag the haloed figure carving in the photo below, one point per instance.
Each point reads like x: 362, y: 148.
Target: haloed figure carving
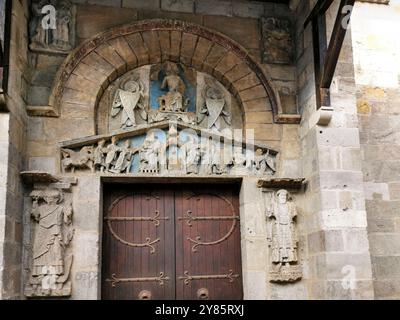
x: 174, y: 100
x: 215, y: 108
x: 283, y: 238
x: 127, y: 101
x: 52, y: 234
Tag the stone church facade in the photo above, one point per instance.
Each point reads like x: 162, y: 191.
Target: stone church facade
x: 168, y: 149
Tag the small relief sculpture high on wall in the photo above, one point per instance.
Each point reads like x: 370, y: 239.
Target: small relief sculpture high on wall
x: 277, y: 40
x: 52, y: 233
x: 283, y: 238
x: 52, y: 26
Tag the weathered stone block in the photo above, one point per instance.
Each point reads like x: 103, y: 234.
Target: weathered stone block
x: 178, y: 5
x: 47, y: 164
x: 202, y: 49
x: 187, y: 47
x: 387, y: 244
x: 124, y: 50
x: 247, y: 82
x: 136, y: 43
x: 247, y: 35
x: 211, y: 7
x: 248, y: 10
x: 91, y: 20
x: 253, y: 93
x: 259, y: 117
x: 343, y: 219
x: 140, y: 4
x: 386, y: 267
x: 254, y: 285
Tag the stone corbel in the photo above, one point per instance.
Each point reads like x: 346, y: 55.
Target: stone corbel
x: 282, y: 183
x: 42, y: 111
x: 324, y: 116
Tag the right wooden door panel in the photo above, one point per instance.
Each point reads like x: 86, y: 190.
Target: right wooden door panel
x: 208, y: 261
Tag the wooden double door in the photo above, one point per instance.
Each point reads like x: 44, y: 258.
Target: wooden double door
x: 171, y: 242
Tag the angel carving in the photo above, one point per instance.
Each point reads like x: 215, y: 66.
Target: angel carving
x: 129, y: 99
x: 215, y: 107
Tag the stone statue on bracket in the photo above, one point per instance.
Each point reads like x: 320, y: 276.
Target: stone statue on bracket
x: 51, y: 27
x: 174, y: 100
x: 128, y: 101
x: 53, y: 232
x: 283, y: 238
x: 150, y: 154
x: 215, y: 110
x: 72, y: 160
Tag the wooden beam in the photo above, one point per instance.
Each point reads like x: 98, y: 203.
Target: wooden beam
x: 335, y: 45
x: 320, y: 47
x: 319, y: 9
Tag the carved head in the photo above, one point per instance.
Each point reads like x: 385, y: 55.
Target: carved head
x: 259, y: 152
x: 127, y: 143
x: 52, y: 197
x: 131, y: 86
x: 171, y: 68
x: 214, y: 93
x: 283, y: 196
x: 114, y: 140
x: 101, y: 143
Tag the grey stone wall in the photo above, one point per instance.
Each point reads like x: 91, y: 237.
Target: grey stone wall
x: 13, y: 144
x: 376, y: 58
x: 339, y: 265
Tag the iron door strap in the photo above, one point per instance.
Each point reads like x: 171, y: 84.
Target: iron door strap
x: 160, y: 279
x: 187, y: 278
x: 190, y: 218
x: 148, y: 242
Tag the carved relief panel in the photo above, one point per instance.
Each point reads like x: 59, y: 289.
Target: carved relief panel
x: 167, y: 149
x: 51, y: 216
x: 282, y: 236
x: 52, y: 26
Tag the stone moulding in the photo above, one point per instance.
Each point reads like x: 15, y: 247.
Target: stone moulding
x: 282, y: 183
x: 240, y: 55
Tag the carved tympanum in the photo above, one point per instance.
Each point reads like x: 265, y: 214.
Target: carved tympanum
x: 52, y: 233
x: 283, y: 238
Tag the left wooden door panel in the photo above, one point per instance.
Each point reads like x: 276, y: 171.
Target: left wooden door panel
x: 138, y: 244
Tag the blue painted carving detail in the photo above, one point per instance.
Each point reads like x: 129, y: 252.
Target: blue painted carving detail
x: 156, y: 91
